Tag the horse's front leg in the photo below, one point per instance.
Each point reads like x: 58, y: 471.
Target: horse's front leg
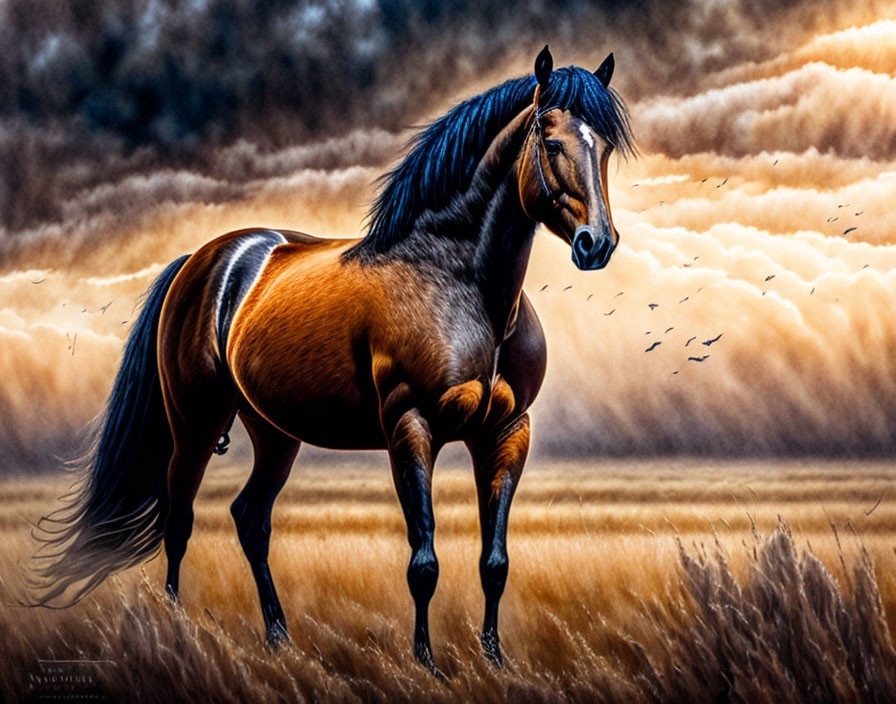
x: 411, y: 455
x: 498, y: 458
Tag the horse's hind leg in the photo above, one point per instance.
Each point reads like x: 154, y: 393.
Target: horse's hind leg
x: 196, y: 428
x: 275, y: 453
x: 498, y: 459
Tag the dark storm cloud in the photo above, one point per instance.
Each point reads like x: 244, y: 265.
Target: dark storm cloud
x: 93, y: 92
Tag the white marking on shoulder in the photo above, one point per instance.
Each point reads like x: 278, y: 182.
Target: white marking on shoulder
x: 586, y: 134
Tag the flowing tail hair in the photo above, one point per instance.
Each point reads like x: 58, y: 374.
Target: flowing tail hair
x: 115, y: 512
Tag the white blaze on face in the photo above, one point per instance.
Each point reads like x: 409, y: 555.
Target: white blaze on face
x: 586, y: 135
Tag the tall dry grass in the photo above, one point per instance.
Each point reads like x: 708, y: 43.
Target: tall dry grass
x: 634, y: 582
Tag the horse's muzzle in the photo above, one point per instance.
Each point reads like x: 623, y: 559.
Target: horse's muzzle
x: 590, y: 253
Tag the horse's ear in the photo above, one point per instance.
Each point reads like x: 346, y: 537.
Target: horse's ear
x: 605, y: 71
x: 544, y: 64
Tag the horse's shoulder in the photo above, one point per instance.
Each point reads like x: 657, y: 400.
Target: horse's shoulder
x: 523, y: 355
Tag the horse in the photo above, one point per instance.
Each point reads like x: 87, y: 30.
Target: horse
x: 414, y: 336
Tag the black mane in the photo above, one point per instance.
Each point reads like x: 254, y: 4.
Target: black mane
x: 444, y: 156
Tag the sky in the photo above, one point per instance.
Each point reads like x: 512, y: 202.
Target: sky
x: 760, y: 207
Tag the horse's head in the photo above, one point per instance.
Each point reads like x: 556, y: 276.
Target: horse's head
x: 563, y: 170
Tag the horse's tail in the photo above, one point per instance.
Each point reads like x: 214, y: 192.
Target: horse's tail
x: 115, y: 512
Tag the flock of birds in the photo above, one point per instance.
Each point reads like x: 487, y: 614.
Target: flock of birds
x: 656, y: 343
x: 73, y: 339
x: 711, y: 341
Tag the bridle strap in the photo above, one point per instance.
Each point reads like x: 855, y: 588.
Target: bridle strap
x: 538, y: 146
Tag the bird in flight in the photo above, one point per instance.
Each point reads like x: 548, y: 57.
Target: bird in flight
x: 589, y: 296
x: 667, y: 330
x: 770, y: 277
x: 849, y: 229
x: 544, y: 288
x: 611, y: 312
x: 105, y: 307
x: 684, y: 299
x: 39, y: 281
x: 653, y: 305
x: 567, y: 288
x: 698, y: 359
x: 715, y: 339
x: 723, y: 183
x: 690, y: 341
x: 618, y: 294
x: 832, y: 219
x: 653, y: 346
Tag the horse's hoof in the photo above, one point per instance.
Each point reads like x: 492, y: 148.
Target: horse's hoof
x: 424, y: 657
x: 491, y: 648
x: 277, y: 635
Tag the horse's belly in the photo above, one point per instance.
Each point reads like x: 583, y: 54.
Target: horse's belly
x: 313, y: 391
x: 328, y: 424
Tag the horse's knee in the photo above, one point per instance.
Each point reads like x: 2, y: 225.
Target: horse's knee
x: 423, y: 574
x: 493, y: 568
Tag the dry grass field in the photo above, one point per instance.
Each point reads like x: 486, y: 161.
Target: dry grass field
x: 635, y: 581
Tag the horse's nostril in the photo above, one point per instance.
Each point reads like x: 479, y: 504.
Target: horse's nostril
x: 583, y: 240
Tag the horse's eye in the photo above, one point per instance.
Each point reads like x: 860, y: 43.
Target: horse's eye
x: 553, y: 146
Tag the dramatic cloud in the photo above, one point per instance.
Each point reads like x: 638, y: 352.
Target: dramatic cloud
x: 93, y: 92
x: 851, y: 113
x: 803, y: 363
x: 761, y: 209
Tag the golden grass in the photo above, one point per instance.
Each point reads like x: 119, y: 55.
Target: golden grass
x: 601, y: 605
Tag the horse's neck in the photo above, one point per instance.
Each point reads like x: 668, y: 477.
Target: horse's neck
x: 502, y: 253
x: 504, y: 242
x: 483, y: 236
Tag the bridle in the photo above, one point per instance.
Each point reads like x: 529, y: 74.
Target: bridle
x: 537, y: 131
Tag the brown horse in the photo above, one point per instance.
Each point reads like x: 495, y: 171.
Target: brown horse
x: 413, y: 337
